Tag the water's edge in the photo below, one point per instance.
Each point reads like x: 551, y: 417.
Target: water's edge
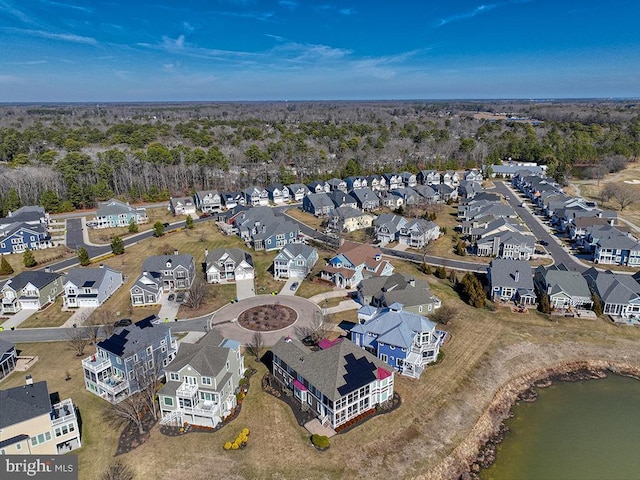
x: 477, y: 450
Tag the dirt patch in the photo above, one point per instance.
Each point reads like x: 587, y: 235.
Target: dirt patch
x: 267, y: 318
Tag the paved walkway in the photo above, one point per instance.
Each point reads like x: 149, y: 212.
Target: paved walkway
x: 79, y: 316
x: 168, y: 309
x: 245, y: 288
x: 225, y: 319
x: 319, y: 298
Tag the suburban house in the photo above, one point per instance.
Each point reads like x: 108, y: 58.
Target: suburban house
x: 451, y: 178
x: 349, y: 219
x: 506, y: 244
x: 30, y: 290
x: 619, y: 294
x: 337, y: 184
x: 233, y: 199
x: 294, y: 261
x: 468, y: 189
x: 278, y: 193
x: 613, y: 247
x: 342, y: 199
x: 447, y: 192
x: 129, y: 360
x: 29, y: 214
x: 410, y: 196
x: 338, y: 382
x: 182, y: 206
x: 511, y: 280
x: 382, y: 292
x: 393, y: 180
x: 33, y: 424
x: 90, y: 287
x: 318, y: 204
x: 417, y: 233
x: 354, y: 182
x: 376, y: 183
x: 18, y: 237
x: 162, y: 273
x: 408, y: 179
x: 115, y: 213
x: 565, y: 288
x: 318, y: 186
x: 428, y: 177
x: 8, y: 358
x: 473, y: 175
x: 228, y: 265
x: 392, y: 199
x: 260, y: 228
x: 354, y: 262
x: 208, y: 201
x: 401, y: 339
x: 366, y: 198
x: 387, y: 227
x: 202, y: 382
x: 256, y: 196
x: 298, y: 191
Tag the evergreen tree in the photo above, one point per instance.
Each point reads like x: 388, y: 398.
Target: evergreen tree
x: 12, y: 201
x: 133, y: 226
x: 441, y: 272
x: 472, y: 291
x: 158, y: 229
x: 117, y: 246
x: 461, y: 248
x: 28, y: 258
x: 597, y: 305
x: 83, y: 257
x: 5, y: 267
x: 188, y: 223
x: 543, y: 303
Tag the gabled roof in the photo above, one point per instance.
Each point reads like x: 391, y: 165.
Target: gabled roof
x: 347, y: 212
x: 615, y: 288
x: 363, y: 195
x: 504, y: 272
x: 294, y: 187
x: 5, y: 347
x: 293, y: 250
x: 390, y: 220
x: 319, y: 200
x: 115, y: 207
x: 158, y: 263
x: 26, y: 214
x: 148, y: 281
x: 237, y: 255
x: 208, y: 356
x: 38, y: 279
x: 559, y: 279
x: 24, y: 403
x: 336, y: 371
x: 134, y: 338
x: 82, y: 276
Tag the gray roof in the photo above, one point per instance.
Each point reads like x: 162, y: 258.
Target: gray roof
x: 331, y: 370
x: 136, y: 337
x: 158, y: 263
x: 340, y: 198
x: 37, y: 278
x: 80, y: 276
x: 24, y: 403
x: 235, y: 254
x: 503, y: 273
x: 363, y: 195
x: 347, y: 212
x: 559, y: 279
x: 391, y: 220
x: 298, y: 186
x: 114, y: 207
x: 207, y: 357
x: 26, y: 214
x: 294, y: 249
x: 616, y: 288
x: 5, y: 347
x: 148, y: 281
x: 320, y: 200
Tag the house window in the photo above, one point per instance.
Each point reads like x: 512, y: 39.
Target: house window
x: 383, y: 357
x: 174, y: 376
x: 206, y: 380
x: 149, y: 350
x: 227, y: 366
x: 168, y: 401
x: 18, y: 446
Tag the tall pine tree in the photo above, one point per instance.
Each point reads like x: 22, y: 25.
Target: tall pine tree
x: 5, y: 267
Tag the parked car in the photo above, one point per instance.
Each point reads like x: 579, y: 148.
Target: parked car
x: 171, y: 297
x: 165, y: 225
x: 294, y: 285
x: 180, y: 297
x: 123, y: 322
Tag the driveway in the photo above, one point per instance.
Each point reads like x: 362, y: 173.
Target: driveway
x: 245, y: 289
x: 17, y: 318
x: 79, y: 317
x: 225, y: 319
x: 287, y: 290
x: 168, y: 308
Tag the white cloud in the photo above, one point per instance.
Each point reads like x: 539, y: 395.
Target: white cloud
x: 470, y: 14
x: 66, y: 37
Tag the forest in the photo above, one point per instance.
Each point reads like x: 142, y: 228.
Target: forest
x: 71, y: 156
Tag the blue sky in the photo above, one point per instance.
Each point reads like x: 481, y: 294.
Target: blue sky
x: 188, y: 50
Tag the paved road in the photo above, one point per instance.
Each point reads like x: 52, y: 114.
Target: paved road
x: 24, y: 335
x: 540, y: 231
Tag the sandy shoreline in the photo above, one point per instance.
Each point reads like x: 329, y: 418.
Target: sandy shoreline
x: 463, y: 462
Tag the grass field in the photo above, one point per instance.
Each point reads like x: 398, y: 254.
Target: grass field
x: 52, y: 316
x: 43, y: 257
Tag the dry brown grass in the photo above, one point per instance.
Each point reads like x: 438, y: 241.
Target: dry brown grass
x: 306, y: 218
x: 52, y: 316
x: 43, y: 257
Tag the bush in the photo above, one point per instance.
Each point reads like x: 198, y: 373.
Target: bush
x: 227, y: 446
x: 320, y: 441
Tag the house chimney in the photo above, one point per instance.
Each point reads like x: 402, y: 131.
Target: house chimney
x: 28, y: 379
x: 47, y: 269
x: 206, y: 253
x: 175, y: 252
x: 102, y: 265
x: 516, y: 276
x: 412, y: 282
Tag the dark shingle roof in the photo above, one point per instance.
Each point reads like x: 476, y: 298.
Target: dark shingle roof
x: 23, y: 403
x: 135, y: 337
x: 208, y: 357
x: 38, y: 279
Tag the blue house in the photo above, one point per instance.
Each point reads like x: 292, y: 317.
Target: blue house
x: 17, y: 237
x: 115, y: 213
x: 129, y: 360
x: 404, y: 340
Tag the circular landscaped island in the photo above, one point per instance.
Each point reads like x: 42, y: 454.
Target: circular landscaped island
x: 267, y: 318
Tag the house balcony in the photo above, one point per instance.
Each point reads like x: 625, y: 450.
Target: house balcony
x: 63, y: 412
x: 113, y: 385
x: 204, y: 409
x: 187, y: 390
x: 96, y: 364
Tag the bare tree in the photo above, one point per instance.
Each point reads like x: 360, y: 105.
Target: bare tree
x: 129, y: 411
x: 78, y: 339
x: 444, y: 314
x: 625, y: 195
x: 105, y: 319
x: 255, y: 346
x: 195, y: 295
x: 316, y: 331
x: 148, y: 375
x: 118, y: 471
